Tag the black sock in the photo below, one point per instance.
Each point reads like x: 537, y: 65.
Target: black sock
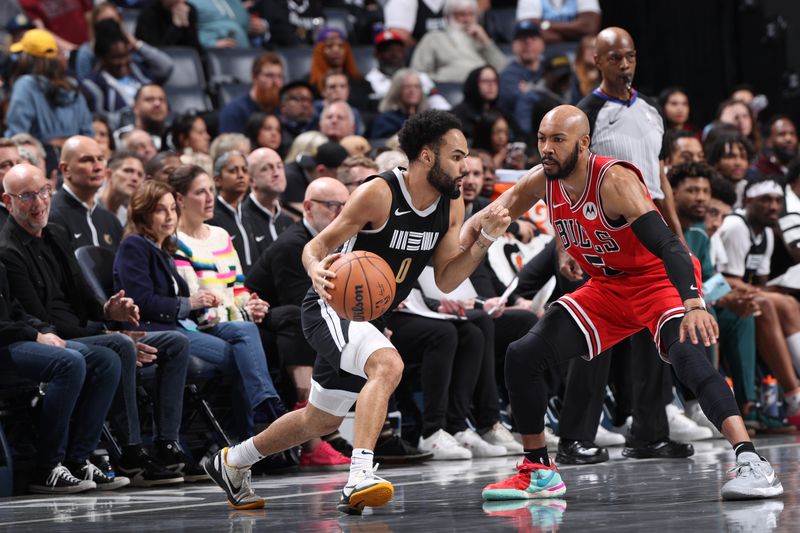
x: 741, y: 447
x: 538, y: 455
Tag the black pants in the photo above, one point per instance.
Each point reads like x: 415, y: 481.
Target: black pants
x: 512, y: 325
x: 450, y: 356
x: 557, y: 339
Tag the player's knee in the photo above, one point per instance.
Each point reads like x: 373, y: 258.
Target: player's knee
x: 388, y: 367
x: 520, y: 352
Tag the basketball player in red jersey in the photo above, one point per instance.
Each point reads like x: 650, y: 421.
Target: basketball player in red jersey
x: 642, y: 275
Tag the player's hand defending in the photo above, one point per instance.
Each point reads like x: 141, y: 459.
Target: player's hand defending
x: 699, y: 325
x: 495, y: 220
x: 321, y: 277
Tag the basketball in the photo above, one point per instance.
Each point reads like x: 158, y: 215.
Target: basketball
x: 363, y: 287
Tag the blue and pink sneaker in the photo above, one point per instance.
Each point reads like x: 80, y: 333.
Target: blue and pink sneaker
x: 533, y: 480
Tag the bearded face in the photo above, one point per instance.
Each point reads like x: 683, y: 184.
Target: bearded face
x: 558, y: 170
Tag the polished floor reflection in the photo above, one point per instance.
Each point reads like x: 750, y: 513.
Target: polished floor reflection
x: 620, y: 495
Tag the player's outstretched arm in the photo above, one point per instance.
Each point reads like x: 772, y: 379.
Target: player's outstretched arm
x: 452, y: 264
x: 369, y: 204
x: 518, y: 200
x: 622, y: 193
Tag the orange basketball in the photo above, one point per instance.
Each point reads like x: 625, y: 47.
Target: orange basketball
x: 363, y: 287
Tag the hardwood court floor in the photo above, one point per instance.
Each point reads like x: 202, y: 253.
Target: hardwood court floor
x: 651, y: 496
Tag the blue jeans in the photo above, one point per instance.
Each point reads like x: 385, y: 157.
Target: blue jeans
x: 235, y: 348
x: 81, y: 381
x: 172, y: 361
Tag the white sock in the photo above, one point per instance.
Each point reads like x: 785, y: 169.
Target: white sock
x: 360, y: 460
x: 793, y: 342
x: 792, y: 403
x: 243, y: 454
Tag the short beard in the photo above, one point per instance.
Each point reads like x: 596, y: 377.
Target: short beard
x: 568, y: 167
x: 784, y: 155
x: 268, y: 98
x: 443, y: 183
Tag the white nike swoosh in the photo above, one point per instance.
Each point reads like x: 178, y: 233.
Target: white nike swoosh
x: 771, y: 477
x: 692, y: 287
x: 78, y: 235
x: 399, y: 213
x: 260, y: 238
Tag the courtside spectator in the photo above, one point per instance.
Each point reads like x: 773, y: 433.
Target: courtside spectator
x: 780, y: 148
x: 296, y: 111
x: 45, y: 102
x: 561, y: 21
x: 75, y: 207
x: 150, y: 110
x: 154, y: 63
x: 139, y: 141
x: 449, y: 54
x: 222, y: 23
x: 520, y: 75
x: 298, y: 176
x: 264, y: 94
x: 264, y: 131
x: 126, y: 173
x: 404, y: 98
x: 337, y: 121
x: 168, y: 23
x: 262, y: 206
x: 232, y: 183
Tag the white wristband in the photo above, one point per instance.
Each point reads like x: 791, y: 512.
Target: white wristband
x: 487, y: 236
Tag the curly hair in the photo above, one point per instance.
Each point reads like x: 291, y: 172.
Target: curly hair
x: 426, y: 129
x: 694, y: 169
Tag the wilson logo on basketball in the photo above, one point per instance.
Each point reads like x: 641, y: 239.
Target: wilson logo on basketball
x: 358, y: 307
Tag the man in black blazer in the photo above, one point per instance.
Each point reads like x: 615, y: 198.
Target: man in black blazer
x: 46, y: 279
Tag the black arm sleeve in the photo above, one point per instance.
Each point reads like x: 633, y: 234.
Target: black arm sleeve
x: 653, y: 233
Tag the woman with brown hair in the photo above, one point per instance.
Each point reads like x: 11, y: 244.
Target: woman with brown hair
x: 45, y: 102
x: 586, y: 72
x: 145, y: 269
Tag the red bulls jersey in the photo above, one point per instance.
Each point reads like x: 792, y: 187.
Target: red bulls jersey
x: 603, y: 248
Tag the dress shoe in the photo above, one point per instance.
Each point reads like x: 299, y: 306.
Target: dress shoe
x: 575, y: 452
x: 661, y: 449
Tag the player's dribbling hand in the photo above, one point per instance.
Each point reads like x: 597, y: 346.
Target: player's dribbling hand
x: 569, y: 268
x: 321, y: 276
x: 699, y: 326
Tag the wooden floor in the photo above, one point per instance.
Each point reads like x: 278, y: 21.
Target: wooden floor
x: 620, y: 495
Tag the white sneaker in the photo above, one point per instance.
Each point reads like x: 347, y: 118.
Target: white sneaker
x: 696, y: 415
x: 234, y: 481
x: 473, y: 442
x: 443, y: 446
x: 605, y: 438
x: 683, y: 429
x: 551, y: 440
x: 367, y: 490
x: 501, y: 436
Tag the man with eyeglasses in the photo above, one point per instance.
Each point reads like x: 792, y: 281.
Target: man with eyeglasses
x: 264, y: 94
x: 75, y: 208
x: 324, y: 164
x: 296, y: 111
x: 46, y: 279
x: 9, y: 156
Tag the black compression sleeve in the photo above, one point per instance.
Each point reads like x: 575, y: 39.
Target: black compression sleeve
x: 653, y: 233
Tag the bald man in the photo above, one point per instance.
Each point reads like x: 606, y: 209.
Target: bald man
x: 83, y: 166
x: 642, y: 276
x: 262, y: 207
x: 9, y: 156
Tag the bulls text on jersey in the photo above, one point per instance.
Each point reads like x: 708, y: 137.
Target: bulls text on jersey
x: 572, y: 233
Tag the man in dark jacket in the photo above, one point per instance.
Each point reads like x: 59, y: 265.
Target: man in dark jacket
x: 31, y: 349
x: 48, y: 283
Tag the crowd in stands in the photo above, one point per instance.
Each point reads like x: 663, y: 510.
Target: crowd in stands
x: 203, y: 193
